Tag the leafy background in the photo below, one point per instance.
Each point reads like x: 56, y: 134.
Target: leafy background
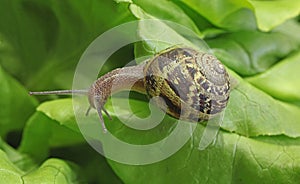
x: 42, y: 41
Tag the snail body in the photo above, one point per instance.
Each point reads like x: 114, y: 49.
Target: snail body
x: 191, y: 85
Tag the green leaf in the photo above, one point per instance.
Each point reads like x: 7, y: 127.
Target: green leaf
x: 231, y: 147
x: 252, y: 52
x: 54, y: 171
x: 225, y: 14
x: 41, y: 43
x: 270, y: 14
x: 231, y: 14
x: 56, y: 128
x: 16, y: 104
x: 61, y: 111
x: 158, y: 35
x: 167, y: 10
x: 232, y: 159
x: 252, y: 112
x: 9, y: 173
x: 286, y: 75
x: 93, y: 166
x: 51, y: 171
x: 20, y: 160
x: 51, y: 133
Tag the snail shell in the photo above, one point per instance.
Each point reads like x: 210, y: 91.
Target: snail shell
x: 194, y: 85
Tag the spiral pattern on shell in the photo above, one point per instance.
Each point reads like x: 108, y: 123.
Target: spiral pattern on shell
x: 194, y: 85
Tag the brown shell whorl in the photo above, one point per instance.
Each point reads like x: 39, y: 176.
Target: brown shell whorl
x: 194, y: 85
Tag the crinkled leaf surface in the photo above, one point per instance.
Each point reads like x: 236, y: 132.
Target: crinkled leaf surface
x: 22, y: 161
x: 168, y: 10
x: 252, y: 112
x: 224, y: 13
x: 252, y: 52
x: 54, y: 171
x: 41, y: 41
x: 51, y: 171
x: 231, y: 14
x: 266, y: 133
x: 233, y: 157
x: 160, y: 34
x: 56, y: 129
x: 17, y: 167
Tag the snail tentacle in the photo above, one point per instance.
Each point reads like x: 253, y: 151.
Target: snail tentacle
x: 99, y: 108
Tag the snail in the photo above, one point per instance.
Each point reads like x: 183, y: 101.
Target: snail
x: 191, y: 85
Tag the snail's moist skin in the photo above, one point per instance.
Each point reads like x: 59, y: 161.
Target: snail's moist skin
x: 126, y: 78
